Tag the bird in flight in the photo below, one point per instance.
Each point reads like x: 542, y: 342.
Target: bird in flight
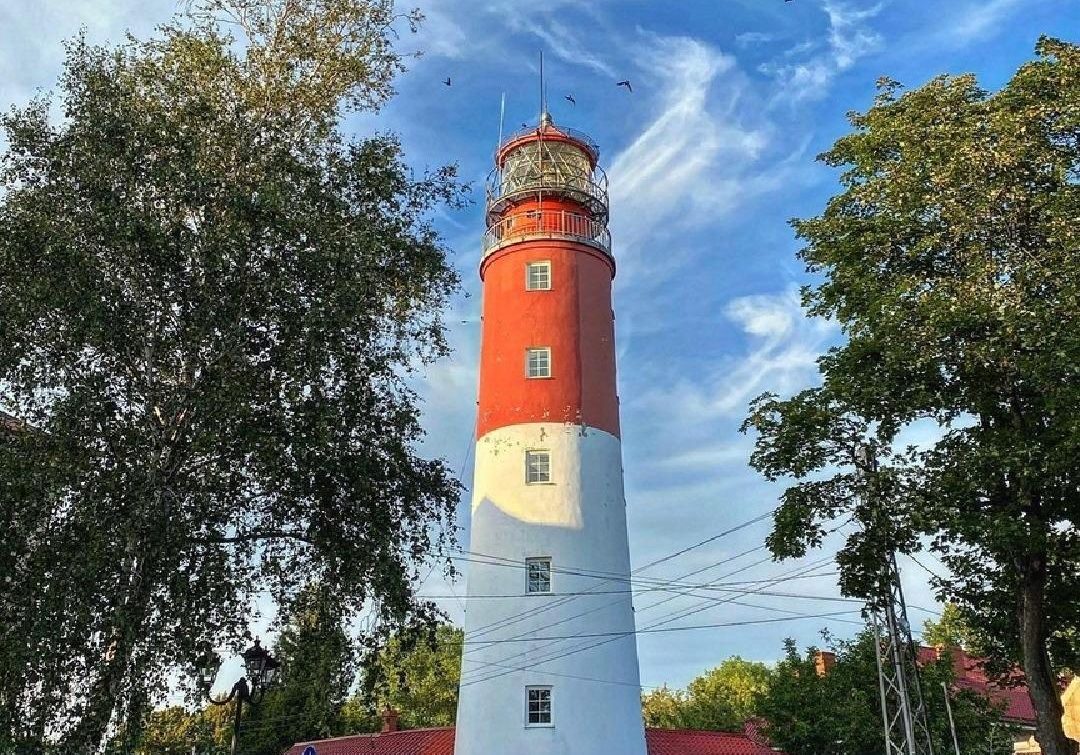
x: 571, y: 100
x: 447, y: 81
x: 625, y: 83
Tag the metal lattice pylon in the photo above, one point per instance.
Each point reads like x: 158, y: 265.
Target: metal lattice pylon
x: 903, y: 710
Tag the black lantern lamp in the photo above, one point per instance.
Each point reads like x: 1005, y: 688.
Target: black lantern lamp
x: 260, y: 665
x: 261, y: 670
x: 206, y: 670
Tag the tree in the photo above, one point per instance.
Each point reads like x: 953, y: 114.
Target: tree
x: 210, y: 302
x: 417, y: 675
x: 721, y: 699
x: 949, y: 259
x: 809, y: 713
x: 950, y: 630
x: 318, y: 670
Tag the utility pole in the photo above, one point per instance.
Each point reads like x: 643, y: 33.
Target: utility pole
x: 903, y: 710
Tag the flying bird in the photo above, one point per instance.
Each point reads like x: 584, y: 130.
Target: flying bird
x: 447, y: 81
x: 571, y: 99
x: 625, y: 83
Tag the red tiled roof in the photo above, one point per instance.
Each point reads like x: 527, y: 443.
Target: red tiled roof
x: 441, y: 742
x: 409, y: 742
x: 971, y: 675
x: 690, y: 742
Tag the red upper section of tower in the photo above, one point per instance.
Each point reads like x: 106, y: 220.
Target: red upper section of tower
x: 547, y: 209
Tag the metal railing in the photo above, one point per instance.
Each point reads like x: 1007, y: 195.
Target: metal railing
x: 590, y: 191
x: 578, y: 136
x: 547, y: 224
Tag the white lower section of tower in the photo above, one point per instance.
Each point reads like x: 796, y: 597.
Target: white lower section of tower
x: 586, y: 654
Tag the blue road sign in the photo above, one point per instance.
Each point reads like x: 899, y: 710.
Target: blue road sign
x: 309, y: 750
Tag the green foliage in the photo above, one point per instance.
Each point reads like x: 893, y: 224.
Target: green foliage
x: 721, y: 699
x: 839, y: 712
x: 318, y: 669
x: 210, y: 302
x: 949, y: 259
x: 416, y: 675
x: 950, y: 630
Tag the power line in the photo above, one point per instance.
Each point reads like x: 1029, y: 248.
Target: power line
x: 674, y: 587
x: 563, y: 654
x: 591, y: 635
x: 610, y: 576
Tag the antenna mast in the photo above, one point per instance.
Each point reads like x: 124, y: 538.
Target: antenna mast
x: 543, y: 99
x: 903, y: 710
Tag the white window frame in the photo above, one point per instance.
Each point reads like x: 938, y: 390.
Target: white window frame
x: 529, y: 456
x: 550, y: 723
x: 544, y: 265
x: 542, y: 574
x: 545, y: 362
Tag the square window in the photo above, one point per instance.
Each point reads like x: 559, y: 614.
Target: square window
x: 537, y: 575
x: 538, y: 276
x: 537, y: 466
x: 538, y: 706
x: 538, y: 362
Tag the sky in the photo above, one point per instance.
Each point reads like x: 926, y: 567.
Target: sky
x: 708, y: 158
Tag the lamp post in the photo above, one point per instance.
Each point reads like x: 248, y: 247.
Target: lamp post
x: 260, y: 667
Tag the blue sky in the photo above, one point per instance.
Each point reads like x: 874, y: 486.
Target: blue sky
x: 708, y: 159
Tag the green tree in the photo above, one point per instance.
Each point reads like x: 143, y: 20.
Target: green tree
x: 318, y: 669
x: 950, y: 630
x: 721, y: 699
x: 949, y: 259
x: 416, y: 675
x: 210, y: 302
x: 808, y: 713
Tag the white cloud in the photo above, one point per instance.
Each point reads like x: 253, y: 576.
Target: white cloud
x: 697, y: 148
x: 440, y: 35
x: 751, y: 38
x: 785, y: 345
x: 849, y: 39
x: 976, y: 21
x: 564, y: 43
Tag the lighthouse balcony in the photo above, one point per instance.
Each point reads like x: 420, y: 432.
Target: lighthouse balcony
x: 504, y: 188
x: 547, y: 224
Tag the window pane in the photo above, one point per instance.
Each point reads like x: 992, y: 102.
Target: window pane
x: 539, y: 705
x: 538, y: 362
x: 538, y: 276
x: 537, y: 466
x: 539, y: 574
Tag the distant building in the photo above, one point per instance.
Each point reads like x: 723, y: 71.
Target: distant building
x: 969, y: 674
x: 1018, y: 711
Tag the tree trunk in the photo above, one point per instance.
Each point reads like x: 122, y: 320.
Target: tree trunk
x: 1041, y: 681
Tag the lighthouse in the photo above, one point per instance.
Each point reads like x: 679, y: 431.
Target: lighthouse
x: 550, y: 657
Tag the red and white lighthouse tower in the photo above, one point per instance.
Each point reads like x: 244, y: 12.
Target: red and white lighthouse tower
x: 550, y: 661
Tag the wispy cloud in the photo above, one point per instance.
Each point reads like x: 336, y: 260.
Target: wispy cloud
x: 563, y: 42
x: 751, y: 38
x: 784, y: 347
x: 975, y: 21
x: 703, y: 127
x: 849, y: 39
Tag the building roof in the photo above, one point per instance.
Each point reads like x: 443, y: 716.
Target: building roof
x: 408, y: 742
x: 970, y: 674
x: 692, y: 742
x: 441, y: 742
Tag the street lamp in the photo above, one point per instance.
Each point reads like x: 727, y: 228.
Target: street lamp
x: 262, y: 670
